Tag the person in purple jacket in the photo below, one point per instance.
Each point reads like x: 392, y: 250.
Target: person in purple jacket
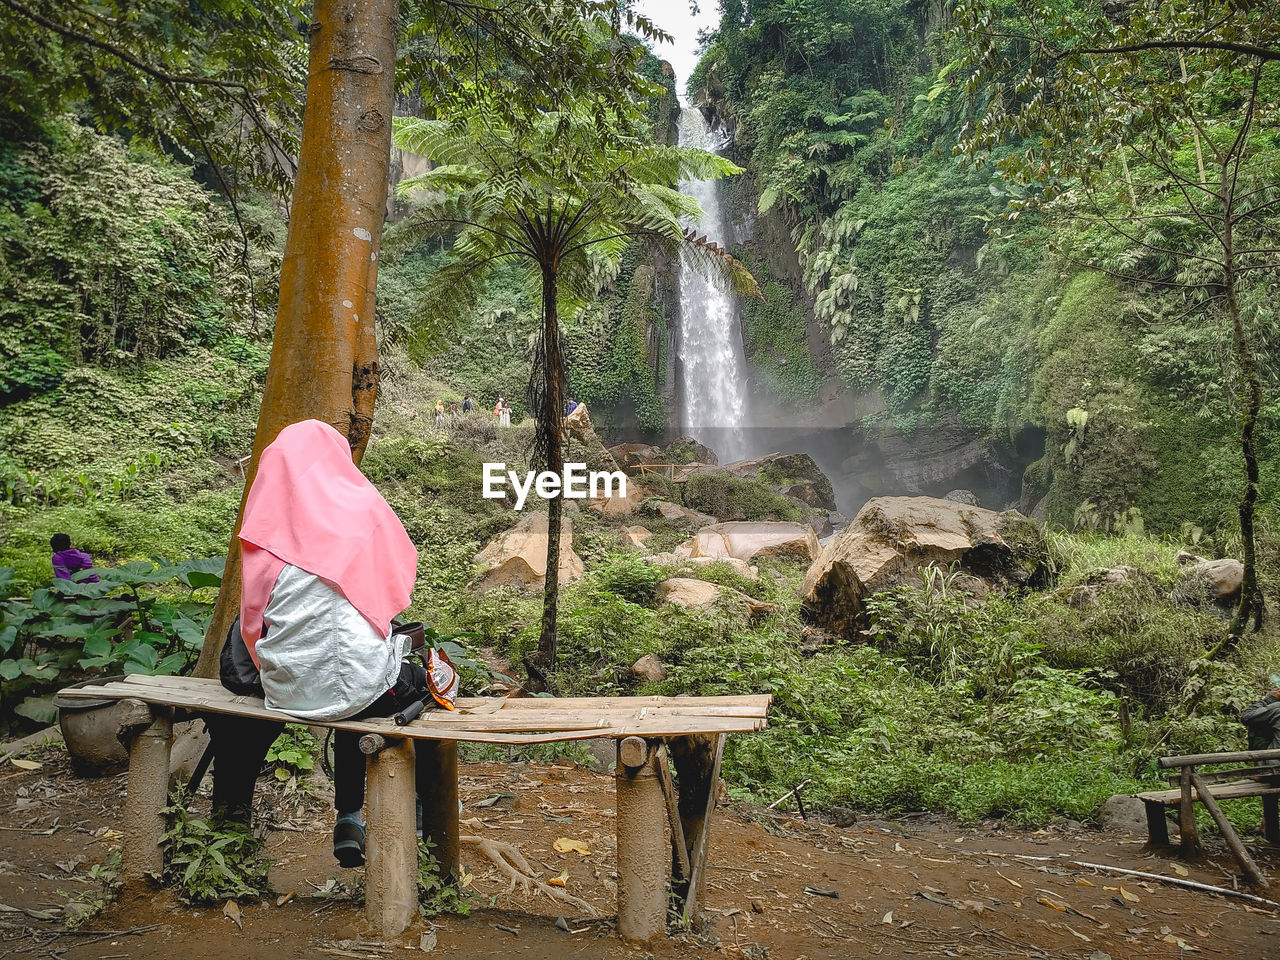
x: 67, y: 560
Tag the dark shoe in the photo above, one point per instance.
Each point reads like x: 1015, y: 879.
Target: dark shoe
x: 348, y: 840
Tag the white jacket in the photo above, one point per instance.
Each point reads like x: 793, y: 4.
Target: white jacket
x: 320, y: 658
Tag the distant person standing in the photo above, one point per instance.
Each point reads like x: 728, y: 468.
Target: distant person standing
x: 439, y: 412
x: 571, y: 406
x: 67, y: 560
x: 468, y: 404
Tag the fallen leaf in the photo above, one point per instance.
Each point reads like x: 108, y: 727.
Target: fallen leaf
x: 1131, y: 897
x: 1082, y: 882
x: 899, y: 848
x: 281, y: 901
x: 27, y: 764
x: 1052, y: 904
x: 1077, y: 934
x: 232, y: 911
x: 1179, y: 942
x: 1180, y: 870
x: 560, y: 880
x: 1010, y: 879
x: 467, y: 878
x: 427, y: 942
x: 565, y: 844
x: 888, y: 917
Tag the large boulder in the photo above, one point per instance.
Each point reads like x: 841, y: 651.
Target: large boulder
x: 687, y: 592
x: 674, y: 511
x: 688, y: 450
x: 892, y: 537
x: 747, y: 540
x: 518, y: 557
x: 627, y: 506
x: 793, y: 474
x: 1210, y: 581
x: 632, y: 456
x: 578, y: 423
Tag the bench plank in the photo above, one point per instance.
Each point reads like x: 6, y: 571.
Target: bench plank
x: 511, y: 721
x: 1225, y: 791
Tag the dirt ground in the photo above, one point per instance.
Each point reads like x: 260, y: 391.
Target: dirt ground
x: 909, y: 888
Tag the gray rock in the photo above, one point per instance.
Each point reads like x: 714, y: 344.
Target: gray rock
x: 963, y: 496
x: 1123, y: 814
x: 649, y: 669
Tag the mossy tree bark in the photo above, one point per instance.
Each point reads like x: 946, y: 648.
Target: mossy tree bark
x: 324, y: 359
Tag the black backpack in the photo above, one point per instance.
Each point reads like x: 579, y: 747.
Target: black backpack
x: 236, y: 668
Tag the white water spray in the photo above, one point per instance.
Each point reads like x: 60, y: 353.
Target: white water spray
x: 713, y: 382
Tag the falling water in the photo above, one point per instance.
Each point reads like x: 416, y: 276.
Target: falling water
x: 713, y: 391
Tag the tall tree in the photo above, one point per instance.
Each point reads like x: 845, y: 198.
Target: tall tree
x: 564, y: 199
x: 324, y: 362
x: 1145, y: 121
x: 492, y: 56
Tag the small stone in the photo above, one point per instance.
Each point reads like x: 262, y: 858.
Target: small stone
x: 649, y: 669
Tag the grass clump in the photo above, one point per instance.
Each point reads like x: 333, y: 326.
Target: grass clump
x: 737, y: 498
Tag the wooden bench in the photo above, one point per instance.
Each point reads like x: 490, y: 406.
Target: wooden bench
x: 689, y: 731
x: 1210, y: 787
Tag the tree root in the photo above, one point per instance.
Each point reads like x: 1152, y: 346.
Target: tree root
x: 512, y: 864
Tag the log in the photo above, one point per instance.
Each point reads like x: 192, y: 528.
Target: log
x: 147, y: 795
x: 642, y: 874
x: 632, y: 752
x: 15, y: 747
x: 372, y: 743
x: 1200, y: 759
x: 1190, y: 833
x: 391, y: 848
x: 439, y: 785
x: 1246, y: 862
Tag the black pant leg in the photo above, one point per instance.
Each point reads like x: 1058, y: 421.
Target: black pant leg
x: 348, y: 772
x: 240, y: 746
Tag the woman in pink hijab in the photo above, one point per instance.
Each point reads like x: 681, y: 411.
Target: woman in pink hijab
x: 326, y: 565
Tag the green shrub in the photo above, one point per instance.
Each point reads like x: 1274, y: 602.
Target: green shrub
x: 735, y: 498
x: 207, y: 861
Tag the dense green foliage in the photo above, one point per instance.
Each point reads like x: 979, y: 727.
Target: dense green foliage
x: 941, y: 292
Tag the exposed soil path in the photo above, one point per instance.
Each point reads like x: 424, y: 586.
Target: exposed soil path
x: 911, y: 888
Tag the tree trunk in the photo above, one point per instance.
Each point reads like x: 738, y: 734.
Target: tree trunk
x: 550, y: 428
x: 1250, y: 595
x: 324, y: 362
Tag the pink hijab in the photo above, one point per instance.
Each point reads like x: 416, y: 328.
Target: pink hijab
x: 311, y: 507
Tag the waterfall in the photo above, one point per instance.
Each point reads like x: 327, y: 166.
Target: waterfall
x: 712, y: 388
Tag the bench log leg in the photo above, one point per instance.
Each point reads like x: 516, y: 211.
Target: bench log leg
x: 391, y: 846
x: 697, y: 762
x: 438, y: 779
x: 1271, y: 818
x: 1157, y: 824
x: 1190, y: 834
x: 642, y: 851
x: 149, y: 737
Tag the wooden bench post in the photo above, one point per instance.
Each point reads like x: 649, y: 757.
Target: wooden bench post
x: 697, y: 762
x: 391, y: 846
x: 1271, y: 818
x: 440, y: 801
x: 642, y: 853
x: 148, y: 732
x: 1190, y: 833
x: 1157, y: 824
